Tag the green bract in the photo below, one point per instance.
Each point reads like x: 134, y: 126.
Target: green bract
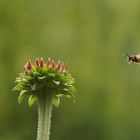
x: 44, y: 78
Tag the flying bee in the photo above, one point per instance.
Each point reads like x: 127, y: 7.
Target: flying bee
x: 133, y: 58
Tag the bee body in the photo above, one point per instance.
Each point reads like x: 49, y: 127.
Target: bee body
x: 133, y: 58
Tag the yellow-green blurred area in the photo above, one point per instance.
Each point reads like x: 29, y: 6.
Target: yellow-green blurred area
x: 92, y: 37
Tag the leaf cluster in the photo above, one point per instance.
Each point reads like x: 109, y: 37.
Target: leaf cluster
x: 43, y: 80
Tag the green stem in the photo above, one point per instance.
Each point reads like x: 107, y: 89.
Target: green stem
x: 44, y: 116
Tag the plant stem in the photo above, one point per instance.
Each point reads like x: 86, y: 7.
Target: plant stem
x: 44, y: 116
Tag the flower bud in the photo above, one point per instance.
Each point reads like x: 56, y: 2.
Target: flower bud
x: 53, y: 63
x: 58, y: 65
x: 49, y: 62
x: 41, y: 62
x: 65, y: 69
x: 28, y: 65
x: 25, y: 67
x: 62, y: 67
x: 37, y: 62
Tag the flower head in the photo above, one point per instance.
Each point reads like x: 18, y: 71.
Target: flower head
x: 44, y: 77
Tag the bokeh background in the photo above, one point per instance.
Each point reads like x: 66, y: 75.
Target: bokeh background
x: 92, y: 36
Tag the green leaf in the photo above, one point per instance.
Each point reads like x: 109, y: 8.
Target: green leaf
x: 70, y: 88
x: 18, y: 80
x: 32, y: 99
x: 22, y: 95
x: 25, y: 80
x: 68, y: 95
x: 18, y: 87
x: 60, y: 95
x: 41, y: 78
x: 51, y: 75
x: 28, y: 78
x: 71, y: 95
x: 67, y: 79
x: 56, y: 101
x: 51, y: 84
x: 69, y: 92
x: 56, y: 82
x: 34, y: 74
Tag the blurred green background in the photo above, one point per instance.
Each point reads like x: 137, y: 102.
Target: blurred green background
x: 92, y: 36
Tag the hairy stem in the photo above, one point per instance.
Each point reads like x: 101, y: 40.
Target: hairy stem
x: 44, y: 116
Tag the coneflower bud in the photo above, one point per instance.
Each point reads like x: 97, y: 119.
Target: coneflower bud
x: 49, y: 62
x: 43, y: 77
x: 37, y: 62
x: 53, y: 63
x: 41, y: 62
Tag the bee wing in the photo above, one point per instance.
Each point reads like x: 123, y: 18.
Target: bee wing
x: 138, y: 55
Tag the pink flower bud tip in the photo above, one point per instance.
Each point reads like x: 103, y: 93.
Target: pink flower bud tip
x: 28, y: 65
x: 62, y: 67
x: 66, y: 69
x: 49, y: 62
x: 58, y: 65
x: 25, y: 67
x: 41, y: 62
x: 53, y: 63
x: 37, y: 62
